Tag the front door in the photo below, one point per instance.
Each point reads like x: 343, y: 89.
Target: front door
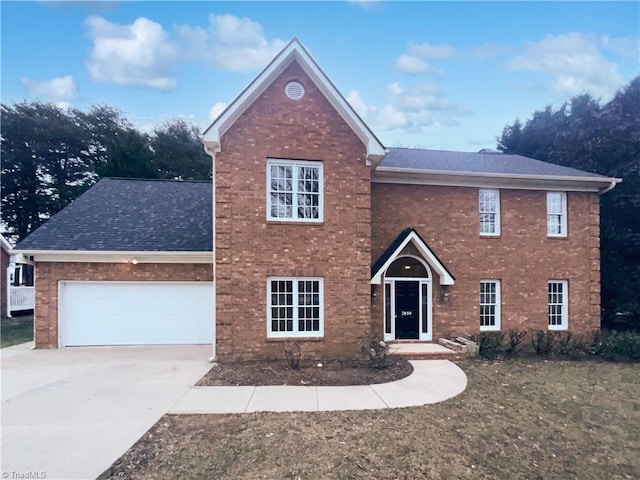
x: 407, y: 309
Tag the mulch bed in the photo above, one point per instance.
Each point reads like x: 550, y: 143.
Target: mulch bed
x: 309, y: 373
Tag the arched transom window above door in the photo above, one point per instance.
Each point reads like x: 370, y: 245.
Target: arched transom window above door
x: 407, y: 267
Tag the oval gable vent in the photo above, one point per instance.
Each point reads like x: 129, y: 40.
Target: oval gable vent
x: 294, y: 90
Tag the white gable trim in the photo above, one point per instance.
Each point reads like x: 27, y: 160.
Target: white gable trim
x: 294, y: 51
x: 427, y: 254
x: 5, y: 245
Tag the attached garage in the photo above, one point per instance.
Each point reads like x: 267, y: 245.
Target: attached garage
x: 135, y: 313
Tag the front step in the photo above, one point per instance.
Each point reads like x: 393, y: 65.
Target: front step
x: 423, y: 351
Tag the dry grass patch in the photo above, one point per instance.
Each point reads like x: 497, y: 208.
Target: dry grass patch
x: 517, y: 420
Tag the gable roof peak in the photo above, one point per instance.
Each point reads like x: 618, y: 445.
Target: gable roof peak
x: 293, y: 50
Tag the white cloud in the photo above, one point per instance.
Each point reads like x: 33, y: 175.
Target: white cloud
x: 410, y: 64
x: 626, y: 47
x: 487, y: 51
x: 407, y: 108
x: 428, y: 51
x: 417, y: 57
x: 229, y: 43
x: 138, y: 54
x: 575, y: 62
x: 216, y: 110
x: 144, y: 54
x: 60, y: 89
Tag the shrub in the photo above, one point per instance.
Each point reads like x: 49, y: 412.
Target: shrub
x: 618, y: 346
x: 377, y: 350
x: 569, y: 344
x: 543, y: 342
x: 515, y: 338
x: 490, y: 344
x: 292, y: 354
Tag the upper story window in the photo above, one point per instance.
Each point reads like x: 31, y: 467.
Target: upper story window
x: 556, y: 214
x: 558, y: 295
x: 294, y: 191
x: 489, y: 209
x: 490, y: 305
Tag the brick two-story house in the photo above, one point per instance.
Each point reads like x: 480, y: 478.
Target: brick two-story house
x: 314, y: 231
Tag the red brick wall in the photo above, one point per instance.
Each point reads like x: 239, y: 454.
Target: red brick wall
x: 48, y: 274
x: 523, y: 257
x: 249, y: 249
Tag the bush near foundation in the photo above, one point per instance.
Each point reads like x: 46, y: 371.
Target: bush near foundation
x: 612, y: 346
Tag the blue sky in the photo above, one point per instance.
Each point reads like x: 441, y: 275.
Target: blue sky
x: 441, y: 75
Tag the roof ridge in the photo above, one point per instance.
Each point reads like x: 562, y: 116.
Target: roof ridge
x: 166, y: 180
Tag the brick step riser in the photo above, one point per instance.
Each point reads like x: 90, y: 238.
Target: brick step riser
x: 430, y: 356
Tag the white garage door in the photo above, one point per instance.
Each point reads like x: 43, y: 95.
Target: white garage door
x: 135, y: 313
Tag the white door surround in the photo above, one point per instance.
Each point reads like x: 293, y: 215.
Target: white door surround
x: 393, y: 327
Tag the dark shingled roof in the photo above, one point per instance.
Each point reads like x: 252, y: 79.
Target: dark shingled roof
x: 468, y: 162
x: 131, y: 215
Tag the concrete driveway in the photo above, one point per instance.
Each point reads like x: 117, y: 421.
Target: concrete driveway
x: 70, y: 413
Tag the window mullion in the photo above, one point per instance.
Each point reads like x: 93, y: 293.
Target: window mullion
x: 296, y: 305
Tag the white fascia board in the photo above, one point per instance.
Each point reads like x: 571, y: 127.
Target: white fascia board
x: 493, y: 180
x: 294, y: 51
x: 5, y: 245
x: 118, y: 257
x: 427, y: 254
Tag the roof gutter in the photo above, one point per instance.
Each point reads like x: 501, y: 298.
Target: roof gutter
x: 611, y: 186
x: 496, y: 180
x: 111, y: 256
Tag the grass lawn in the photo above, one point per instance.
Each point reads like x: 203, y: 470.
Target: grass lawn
x: 16, y: 330
x: 521, y: 419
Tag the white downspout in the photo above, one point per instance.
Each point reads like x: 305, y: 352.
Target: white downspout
x: 610, y: 187
x: 212, y: 153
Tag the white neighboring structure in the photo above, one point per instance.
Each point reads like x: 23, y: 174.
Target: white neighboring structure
x: 18, y: 292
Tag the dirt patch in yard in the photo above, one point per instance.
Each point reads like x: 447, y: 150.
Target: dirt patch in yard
x: 309, y: 373
x: 553, y: 420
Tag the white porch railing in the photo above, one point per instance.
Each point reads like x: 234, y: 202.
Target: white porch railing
x: 21, y: 298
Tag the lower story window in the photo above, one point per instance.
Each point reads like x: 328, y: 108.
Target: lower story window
x: 490, y: 305
x: 295, y: 307
x: 558, y: 294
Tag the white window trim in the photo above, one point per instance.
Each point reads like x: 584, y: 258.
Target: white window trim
x: 563, y: 217
x: 497, y: 326
x: 564, y: 308
x: 295, y: 333
x: 296, y: 163
x: 497, y: 212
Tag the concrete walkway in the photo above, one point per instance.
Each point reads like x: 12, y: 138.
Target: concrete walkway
x: 432, y: 381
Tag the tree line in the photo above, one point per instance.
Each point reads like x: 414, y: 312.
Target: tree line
x: 51, y: 154
x: 600, y: 138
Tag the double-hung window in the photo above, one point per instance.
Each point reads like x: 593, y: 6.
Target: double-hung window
x: 558, y: 294
x: 294, y: 191
x: 490, y: 305
x: 556, y: 214
x: 295, y: 307
x: 489, y: 210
